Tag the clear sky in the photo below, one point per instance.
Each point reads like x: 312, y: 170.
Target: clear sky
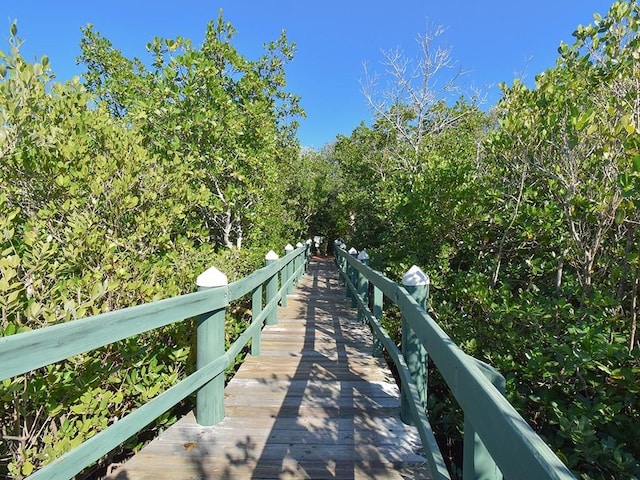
x: 495, y: 41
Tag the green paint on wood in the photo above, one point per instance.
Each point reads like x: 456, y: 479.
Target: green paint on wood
x: 256, y: 308
x: 30, y: 350
x: 99, y: 445
x: 210, y: 346
x: 477, y: 461
x: 415, y: 354
x: 363, y: 292
x: 511, y: 442
x: 271, y: 289
x: 378, y: 305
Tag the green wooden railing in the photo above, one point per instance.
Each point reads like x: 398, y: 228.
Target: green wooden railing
x: 28, y: 351
x: 498, y: 441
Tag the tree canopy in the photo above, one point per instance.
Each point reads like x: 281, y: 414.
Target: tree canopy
x: 525, y: 217
x: 119, y: 188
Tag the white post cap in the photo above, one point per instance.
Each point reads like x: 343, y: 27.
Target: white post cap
x: 288, y: 248
x: 415, y: 277
x: 309, y: 241
x: 299, y: 244
x: 211, y: 277
x: 271, y: 255
x: 352, y: 251
x: 363, y: 255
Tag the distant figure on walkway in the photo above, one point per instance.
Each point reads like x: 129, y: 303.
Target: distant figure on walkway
x: 317, y: 241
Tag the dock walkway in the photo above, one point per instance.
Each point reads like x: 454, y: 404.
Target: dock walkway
x: 315, y: 404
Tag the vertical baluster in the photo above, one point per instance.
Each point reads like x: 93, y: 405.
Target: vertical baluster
x: 285, y: 275
x: 352, y: 273
x: 272, y: 288
x: 363, y: 285
x: 377, y: 309
x: 416, y: 282
x: 256, y: 309
x: 209, y: 347
x: 477, y: 461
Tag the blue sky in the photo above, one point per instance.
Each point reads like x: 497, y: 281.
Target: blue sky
x: 495, y: 41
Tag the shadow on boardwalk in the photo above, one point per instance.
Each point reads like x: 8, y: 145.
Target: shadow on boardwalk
x: 314, y: 404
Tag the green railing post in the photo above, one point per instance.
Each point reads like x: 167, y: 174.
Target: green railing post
x: 352, y: 273
x: 272, y: 287
x: 256, y: 308
x: 377, y: 308
x: 340, y: 262
x: 416, y: 282
x: 287, y: 274
x: 347, y: 275
x: 209, y: 347
x: 363, y: 285
x: 477, y: 463
x: 298, y: 263
x: 307, y: 254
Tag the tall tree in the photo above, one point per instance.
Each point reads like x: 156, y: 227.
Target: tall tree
x: 228, y: 117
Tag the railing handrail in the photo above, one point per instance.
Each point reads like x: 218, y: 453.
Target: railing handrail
x: 514, y: 446
x: 30, y: 350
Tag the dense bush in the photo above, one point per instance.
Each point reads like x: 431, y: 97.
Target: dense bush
x: 526, y: 219
x: 118, y: 190
x: 111, y: 199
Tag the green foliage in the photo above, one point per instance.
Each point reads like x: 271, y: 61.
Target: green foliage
x: 224, y: 117
x: 115, y: 191
x: 313, y: 184
x: 526, y: 221
x: 113, y: 194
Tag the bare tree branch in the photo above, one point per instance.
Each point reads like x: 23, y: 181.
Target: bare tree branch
x: 414, y: 87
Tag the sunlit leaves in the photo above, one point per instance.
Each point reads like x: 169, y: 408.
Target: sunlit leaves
x: 226, y: 117
x: 530, y: 238
x: 103, y: 200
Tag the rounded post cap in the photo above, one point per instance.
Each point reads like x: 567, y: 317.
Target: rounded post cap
x: 288, y: 247
x: 299, y: 244
x: 415, y: 277
x: 271, y: 255
x: 308, y: 241
x: 211, y: 277
x: 363, y: 255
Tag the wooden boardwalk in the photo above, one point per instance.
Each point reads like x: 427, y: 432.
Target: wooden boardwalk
x: 314, y: 404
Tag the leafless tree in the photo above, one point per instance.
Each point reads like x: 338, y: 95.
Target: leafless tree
x: 413, y: 88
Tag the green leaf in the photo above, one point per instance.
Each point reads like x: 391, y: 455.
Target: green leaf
x: 10, y: 329
x: 14, y: 29
x: 79, y: 409
x: 27, y: 468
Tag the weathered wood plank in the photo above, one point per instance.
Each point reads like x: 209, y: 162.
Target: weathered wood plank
x: 286, y: 469
x: 314, y: 404
x: 293, y: 387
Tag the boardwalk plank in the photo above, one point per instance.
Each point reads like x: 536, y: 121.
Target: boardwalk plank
x: 315, y: 404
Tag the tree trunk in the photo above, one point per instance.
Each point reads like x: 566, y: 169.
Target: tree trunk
x: 560, y: 270
x: 226, y: 229
x: 634, y: 310
x: 622, y: 286
x: 239, y: 234
x: 496, y: 272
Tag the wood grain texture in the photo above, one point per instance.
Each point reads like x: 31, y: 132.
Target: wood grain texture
x: 313, y: 405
